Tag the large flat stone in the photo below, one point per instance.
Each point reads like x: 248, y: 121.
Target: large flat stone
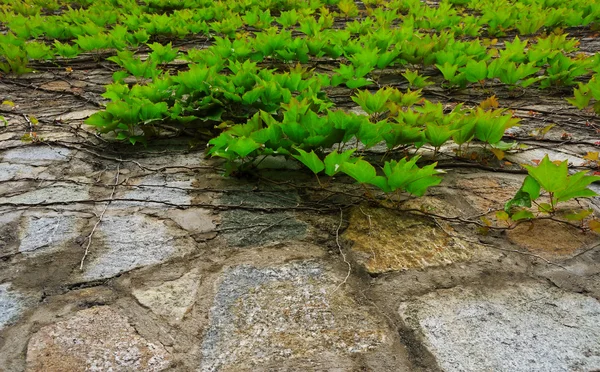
x: 130, y: 242
x: 36, y: 155
x: 525, y: 327
x: 96, y: 339
x: 9, y: 171
x: 551, y: 239
x: 172, y: 299
x: 40, y: 233
x: 12, y: 304
x: 159, y: 189
x: 284, y: 316
x: 57, y: 193
x: 384, y: 241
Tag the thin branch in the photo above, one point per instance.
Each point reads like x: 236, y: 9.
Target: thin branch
x: 89, y: 237
x: 337, y: 241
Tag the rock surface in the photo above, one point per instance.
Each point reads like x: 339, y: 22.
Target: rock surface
x: 96, y: 339
x: 523, y: 327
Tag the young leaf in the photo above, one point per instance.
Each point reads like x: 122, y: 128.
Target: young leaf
x: 243, y: 146
x: 311, y: 160
x: 334, y: 161
x: 550, y: 176
x: 361, y: 171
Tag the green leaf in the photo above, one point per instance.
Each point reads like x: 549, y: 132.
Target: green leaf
x: 529, y: 191
x: 475, y: 71
x: 311, y: 160
x: 437, y: 135
x: 550, y: 176
x: 579, y: 216
x: 362, y: 171
x: 243, y: 146
x: 335, y: 160
x: 522, y: 215
x: 576, y: 187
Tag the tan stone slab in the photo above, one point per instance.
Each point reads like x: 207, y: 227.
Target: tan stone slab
x: 390, y: 242
x: 94, y: 339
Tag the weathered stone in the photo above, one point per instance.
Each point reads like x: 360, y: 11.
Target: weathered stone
x: 275, y: 316
x: 384, y: 241
x: 153, y: 190
x: 57, y: 193
x: 96, y: 339
x: 131, y: 242
x: 550, y: 238
x: 9, y: 237
x: 9, y: 171
x: 172, y: 299
x: 46, y: 232
x: 528, y: 157
x: 194, y: 220
x: 525, y: 327
x: 36, y: 155
x: 250, y: 228
x: 487, y: 193
x: 77, y: 115
x: 12, y: 304
x: 246, y: 228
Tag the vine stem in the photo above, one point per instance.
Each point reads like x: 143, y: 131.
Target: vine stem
x: 89, y: 237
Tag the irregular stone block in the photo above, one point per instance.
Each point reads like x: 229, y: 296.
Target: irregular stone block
x: 57, y: 193
x: 39, y: 232
x: 36, y: 155
x: 12, y: 304
x: 96, y: 339
x: 526, y: 327
x: 284, y: 315
x: 130, y: 242
x: 10, y: 171
x: 388, y: 242
x: 172, y: 299
x: 157, y: 188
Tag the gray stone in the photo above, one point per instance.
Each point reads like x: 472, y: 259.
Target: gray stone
x: 36, y: 155
x: 9, y: 237
x: 274, y: 316
x: 57, y: 193
x: 46, y: 232
x: 96, y: 339
x: 77, y: 115
x: 246, y: 228
x: 527, y: 157
x: 10, y: 171
x: 172, y: 299
x: 157, y: 188
x: 131, y: 242
x: 12, y: 304
x: 527, y: 327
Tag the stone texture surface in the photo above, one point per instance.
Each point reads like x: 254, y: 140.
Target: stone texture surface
x: 171, y: 299
x: 551, y: 238
x: 96, y: 339
x: 384, y: 241
x: 56, y: 193
x: 157, y: 188
x: 130, y: 242
x: 522, y: 327
x: 272, y: 316
x: 12, y: 304
x: 40, y: 233
x: 36, y: 155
